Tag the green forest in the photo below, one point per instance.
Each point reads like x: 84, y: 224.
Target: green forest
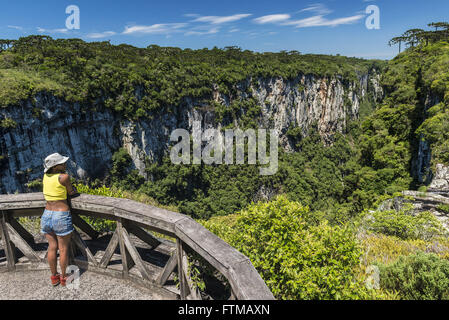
x: 320, y: 233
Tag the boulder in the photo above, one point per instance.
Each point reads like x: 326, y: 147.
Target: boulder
x: 441, y: 180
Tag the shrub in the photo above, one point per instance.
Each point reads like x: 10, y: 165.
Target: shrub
x: 422, y: 189
x: 296, y: 258
x: 443, y: 207
x: 8, y: 123
x: 422, y: 276
x: 403, y: 224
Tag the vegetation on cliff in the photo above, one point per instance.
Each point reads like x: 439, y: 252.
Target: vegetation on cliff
x: 139, y: 82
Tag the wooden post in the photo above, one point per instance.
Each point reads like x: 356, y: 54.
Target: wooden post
x: 168, y: 269
x: 84, y: 226
x: 9, y: 247
x: 109, y: 252
x: 28, y: 237
x: 21, y: 244
x: 194, y: 291
x: 127, y: 261
x: 142, y: 235
x: 182, y: 281
x: 85, y: 251
x: 135, y: 255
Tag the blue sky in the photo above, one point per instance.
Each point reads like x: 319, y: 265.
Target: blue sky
x: 327, y: 26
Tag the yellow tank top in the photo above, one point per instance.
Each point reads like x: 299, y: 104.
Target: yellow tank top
x: 53, y: 190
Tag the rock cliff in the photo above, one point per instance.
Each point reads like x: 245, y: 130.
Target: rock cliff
x: 47, y: 124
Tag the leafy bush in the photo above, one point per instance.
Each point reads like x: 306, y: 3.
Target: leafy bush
x: 422, y: 276
x: 296, y: 258
x: 8, y: 123
x: 403, y: 224
x: 443, y: 207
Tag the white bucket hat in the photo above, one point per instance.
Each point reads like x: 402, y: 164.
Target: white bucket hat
x: 53, y: 160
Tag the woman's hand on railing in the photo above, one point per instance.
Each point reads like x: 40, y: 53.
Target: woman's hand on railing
x: 74, y: 193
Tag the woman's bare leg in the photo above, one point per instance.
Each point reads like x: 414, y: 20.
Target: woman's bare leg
x: 63, y: 244
x: 52, y: 252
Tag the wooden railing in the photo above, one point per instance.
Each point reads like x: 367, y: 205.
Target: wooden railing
x: 132, y: 220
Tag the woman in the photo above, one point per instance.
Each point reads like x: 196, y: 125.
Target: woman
x: 56, y: 221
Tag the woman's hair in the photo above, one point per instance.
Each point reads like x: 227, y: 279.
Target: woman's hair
x: 52, y: 169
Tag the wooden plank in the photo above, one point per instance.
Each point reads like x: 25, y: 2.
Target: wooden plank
x: 246, y: 282
x: 168, y: 269
x: 93, y: 214
x: 21, y: 244
x: 127, y: 261
x: 36, y: 212
x: 32, y: 266
x: 28, y: 205
x: 142, y: 235
x: 28, y: 237
x: 83, y: 247
x: 181, y: 278
x: 8, y: 246
x: 109, y: 250
x: 135, y: 255
x: 84, y: 226
x: 21, y: 197
x: 194, y: 291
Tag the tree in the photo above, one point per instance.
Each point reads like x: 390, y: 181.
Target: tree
x: 397, y: 40
x: 413, y: 36
x: 436, y: 25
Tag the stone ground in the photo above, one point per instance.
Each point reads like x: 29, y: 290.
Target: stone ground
x: 35, y: 285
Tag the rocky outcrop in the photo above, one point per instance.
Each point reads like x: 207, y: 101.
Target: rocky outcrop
x: 46, y: 124
x: 434, y: 200
x: 440, y: 183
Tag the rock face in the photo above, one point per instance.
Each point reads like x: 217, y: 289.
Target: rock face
x: 421, y: 160
x: 441, y: 180
x: 90, y: 138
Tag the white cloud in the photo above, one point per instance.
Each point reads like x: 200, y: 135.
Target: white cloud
x: 221, y: 19
x: 162, y: 28
x: 318, y: 8
x: 101, y: 34
x: 272, y: 18
x: 200, y: 33
x: 320, y: 21
x: 39, y: 29
x: 15, y: 27
x: 317, y: 20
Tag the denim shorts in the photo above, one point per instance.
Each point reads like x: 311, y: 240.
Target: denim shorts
x: 59, y: 222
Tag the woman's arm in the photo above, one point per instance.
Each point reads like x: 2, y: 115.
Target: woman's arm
x: 64, y: 179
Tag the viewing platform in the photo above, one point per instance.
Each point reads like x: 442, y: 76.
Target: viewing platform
x: 145, y: 255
